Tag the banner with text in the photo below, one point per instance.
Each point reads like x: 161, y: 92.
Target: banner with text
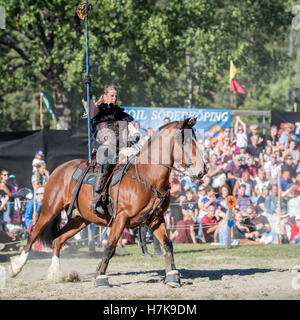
x: 210, y: 122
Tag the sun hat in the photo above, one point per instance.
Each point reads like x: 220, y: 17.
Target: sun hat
x: 284, y: 215
x: 40, y: 153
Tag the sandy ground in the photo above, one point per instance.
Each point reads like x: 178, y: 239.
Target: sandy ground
x: 226, y: 282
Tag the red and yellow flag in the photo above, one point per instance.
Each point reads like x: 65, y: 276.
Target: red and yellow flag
x: 234, y: 85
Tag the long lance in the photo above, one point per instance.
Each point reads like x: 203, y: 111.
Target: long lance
x: 82, y: 12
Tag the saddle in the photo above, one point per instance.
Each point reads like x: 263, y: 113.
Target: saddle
x: 90, y: 176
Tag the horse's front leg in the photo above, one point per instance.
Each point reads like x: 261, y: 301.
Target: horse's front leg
x: 116, y: 231
x: 172, y: 275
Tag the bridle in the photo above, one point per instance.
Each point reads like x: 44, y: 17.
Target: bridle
x: 182, y: 172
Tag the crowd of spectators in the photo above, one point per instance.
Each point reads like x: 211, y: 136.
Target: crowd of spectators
x: 261, y: 170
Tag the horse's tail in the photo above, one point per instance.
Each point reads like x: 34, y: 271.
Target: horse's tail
x: 50, y: 232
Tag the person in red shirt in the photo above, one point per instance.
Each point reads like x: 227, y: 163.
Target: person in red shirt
x: 185, y: 232
x: 209, y: 224
x: 295, y: 231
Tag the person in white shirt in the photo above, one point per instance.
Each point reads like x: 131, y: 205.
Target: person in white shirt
x: 240, y: 129
x: 272, y: 169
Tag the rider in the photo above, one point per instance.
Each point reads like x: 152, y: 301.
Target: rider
x: 110, y: 124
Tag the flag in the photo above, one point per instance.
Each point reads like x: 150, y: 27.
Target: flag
x: 232, y: 72
x: 47, y: 104
x: 234, y: 85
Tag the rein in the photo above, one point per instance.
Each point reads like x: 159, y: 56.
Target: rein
x: 161, y: 197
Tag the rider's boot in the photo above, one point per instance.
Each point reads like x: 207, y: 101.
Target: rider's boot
x: 99, y: 193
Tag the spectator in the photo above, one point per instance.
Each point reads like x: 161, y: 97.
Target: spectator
x: 293, y: 151
x: 234, y: 171
x: 272, y: 169
x: 272, y: 138
x: 221, y: 200
x: 243, y: 154
x: 201, y: 194
x: 40, y: 176
x: 149, y: 133
x: 209, y: 199
x: 297, y: 179
x: 267, y: 152
x: 3, y: 201
x: 250, y: 166
x: 273, y: 199
x: 206, y: 181
x: 254, y: 133
x: 285, y: 181
x: 142, y: 131
x: 240, y: 133
x: 29, y: 218
x: 284, y: 228
x: 242, y: 200
x: 38, y: 159
x: 288, y: 165
x: 242, y: 231
x: 6, y: 188
x: 292, y: 196
x: 260, y: 182
x: 209, y: 224
x: 185, y: 232
x: 215, y: 171
x: 227, y: 149
x: 222, y: 136
x: 13, y: 183
x: 263, y: 227
x: 176, y: 198
x: 166, y: 120
x: 190, y: 204
x: 261, y: 201
x: 245, y: 180
x: 295, y: 231
x: 286, y: 136
x: 255, y: 148
x: 188, y: 183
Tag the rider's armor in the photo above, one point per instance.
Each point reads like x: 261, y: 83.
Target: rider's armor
x: 110, y: 127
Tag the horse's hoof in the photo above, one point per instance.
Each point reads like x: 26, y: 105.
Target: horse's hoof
x: 101, y: 281
x: 172, y: 279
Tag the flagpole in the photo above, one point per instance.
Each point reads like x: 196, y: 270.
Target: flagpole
x: 82, y: 12
x: 234, y: 99
x: 41, y: 113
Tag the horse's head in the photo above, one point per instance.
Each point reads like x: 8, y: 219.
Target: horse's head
x: 186, y: 149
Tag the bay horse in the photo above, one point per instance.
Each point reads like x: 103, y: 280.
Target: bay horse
x: 142, y: 198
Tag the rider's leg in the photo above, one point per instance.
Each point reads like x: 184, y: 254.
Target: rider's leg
x: 99, y: 193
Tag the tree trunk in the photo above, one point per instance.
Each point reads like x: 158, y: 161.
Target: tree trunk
x: 62, y: 101
x: 189, y: 79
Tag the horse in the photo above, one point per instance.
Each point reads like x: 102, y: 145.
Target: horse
x: 142, y: 197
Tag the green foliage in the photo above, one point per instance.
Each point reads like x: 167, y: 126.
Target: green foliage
x: 159, y: 53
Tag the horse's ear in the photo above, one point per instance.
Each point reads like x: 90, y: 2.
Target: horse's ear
x: 192, y: 122
x: 182, y: 124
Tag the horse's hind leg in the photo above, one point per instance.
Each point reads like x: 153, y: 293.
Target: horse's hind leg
x: 18, y: 262
x: 172, y: 275
x: 73, y: 226
x: 116, y: 231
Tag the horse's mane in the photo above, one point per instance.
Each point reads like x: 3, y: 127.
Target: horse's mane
x: 166, y: 124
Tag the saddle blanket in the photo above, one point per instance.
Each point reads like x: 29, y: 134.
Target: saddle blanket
x: 91, y: 176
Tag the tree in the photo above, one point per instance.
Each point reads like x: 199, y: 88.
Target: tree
x: 160, y: 53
